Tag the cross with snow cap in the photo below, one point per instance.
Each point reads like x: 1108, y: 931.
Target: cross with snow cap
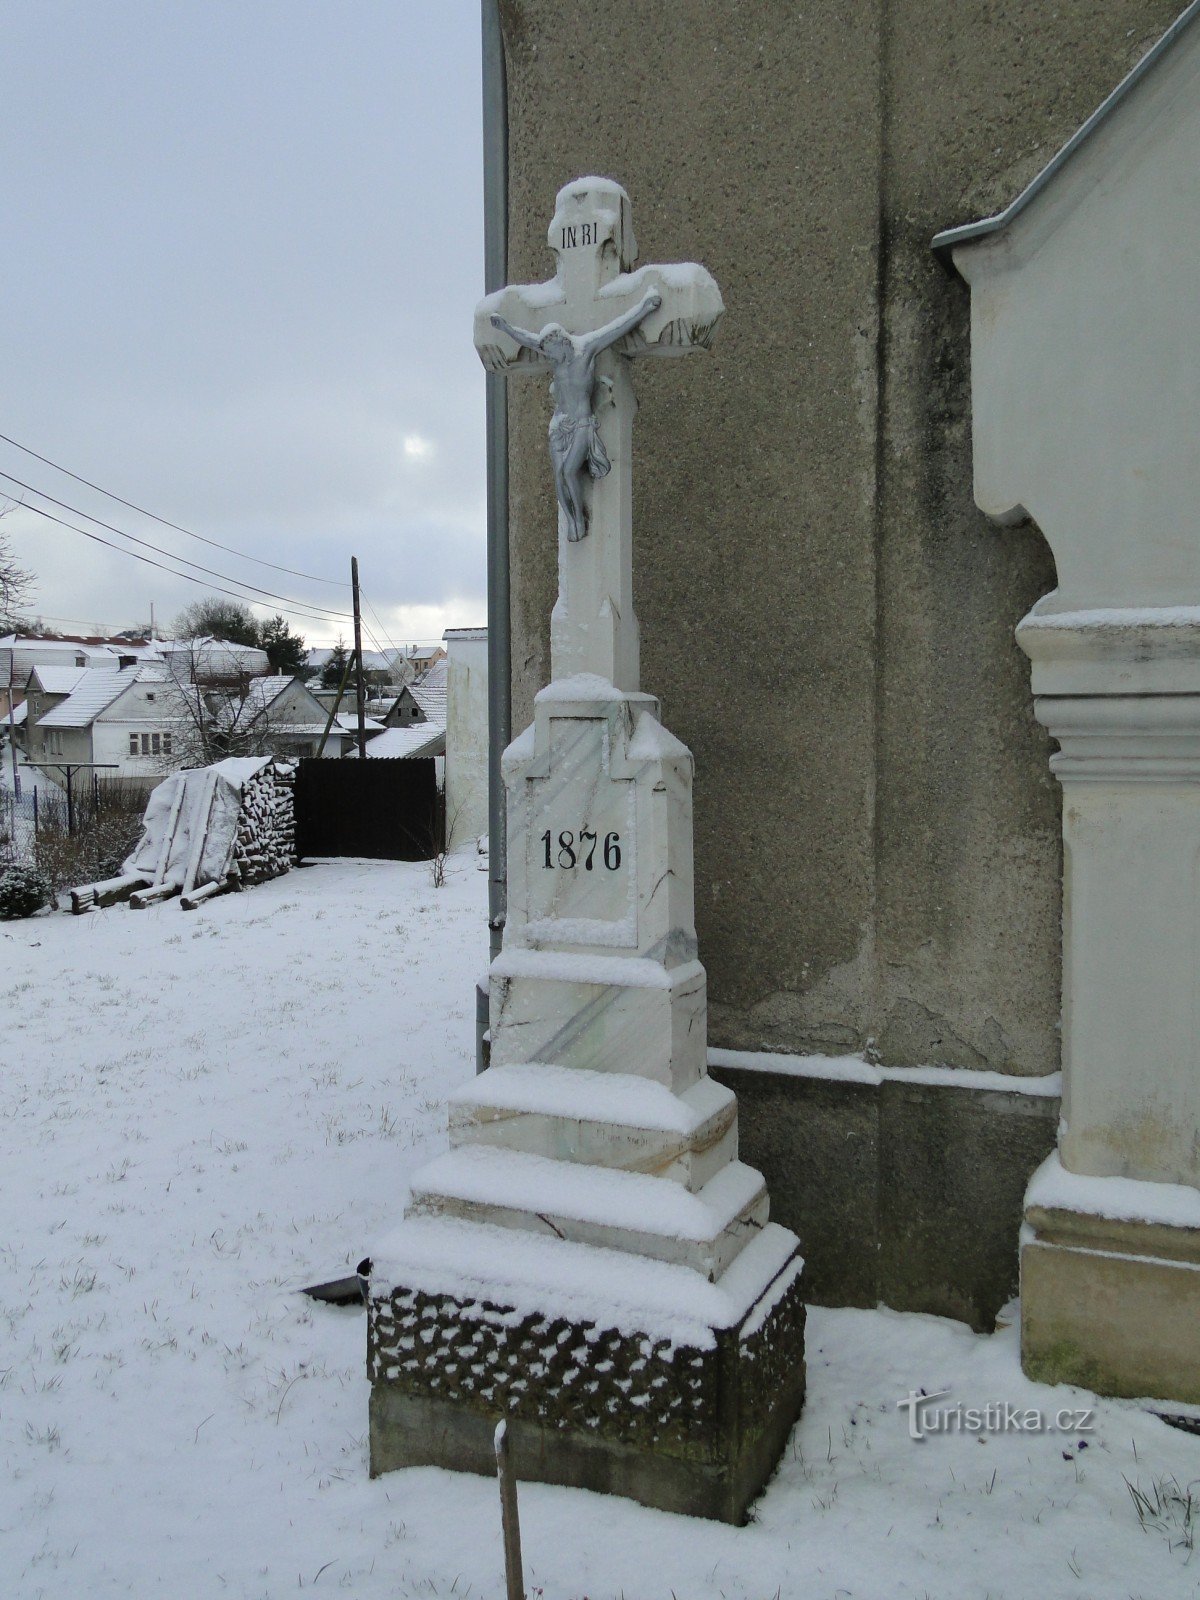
x: 583, y: 325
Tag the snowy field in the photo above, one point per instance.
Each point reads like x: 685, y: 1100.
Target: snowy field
x: 199, y: 1113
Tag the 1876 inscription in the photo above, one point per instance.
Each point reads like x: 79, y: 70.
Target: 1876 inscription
x: 570, y: 851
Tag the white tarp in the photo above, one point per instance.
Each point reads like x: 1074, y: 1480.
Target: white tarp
x: 190, y: 825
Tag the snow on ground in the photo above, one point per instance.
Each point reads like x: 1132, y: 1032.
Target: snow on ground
x: 201, y: 1112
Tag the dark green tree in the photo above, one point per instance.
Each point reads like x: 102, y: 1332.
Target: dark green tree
x: 285, y: 649
x: 331, y: 672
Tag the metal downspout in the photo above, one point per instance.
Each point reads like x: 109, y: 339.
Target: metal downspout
x: 495, y: 274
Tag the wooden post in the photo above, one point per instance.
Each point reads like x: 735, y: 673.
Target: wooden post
x: 510, y: 1522
x: 358, y: 662
x: 70, y: 772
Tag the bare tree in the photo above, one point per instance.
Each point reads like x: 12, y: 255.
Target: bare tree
x: 16, y: 583
x: 219, y: 619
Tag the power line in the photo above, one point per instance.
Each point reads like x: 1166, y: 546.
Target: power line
x: 391, y: 642
x: 170, y: 554
x: 186, y: 576
x: 337, y: 583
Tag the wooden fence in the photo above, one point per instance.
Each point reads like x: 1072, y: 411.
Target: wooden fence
x: 388, y: 810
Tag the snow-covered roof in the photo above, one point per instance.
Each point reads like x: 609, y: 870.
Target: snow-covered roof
x: 98, y: 687
x: 430, y: 693
x: 348, y: 722
x: 421, y: 739
x: 16, y: 717
x: 61, y: 680
x: 261, y: 695
x: 214, y: 658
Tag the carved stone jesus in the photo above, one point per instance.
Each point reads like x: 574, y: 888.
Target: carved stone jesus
x: 576, y: 447
x: 589, y: 326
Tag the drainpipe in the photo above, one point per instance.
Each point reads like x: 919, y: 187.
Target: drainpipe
x: 495, y: 274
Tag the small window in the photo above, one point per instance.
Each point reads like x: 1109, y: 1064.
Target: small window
x: 166, y: 738
x: 145, y: 744
x: 150, y: 697
x: 133, y: 744
x: 415, y: 712
x: 156, y: 743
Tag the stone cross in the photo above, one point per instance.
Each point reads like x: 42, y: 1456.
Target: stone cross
x: 583, y: 325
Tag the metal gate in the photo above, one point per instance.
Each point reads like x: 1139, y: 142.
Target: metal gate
x: 390, y: 810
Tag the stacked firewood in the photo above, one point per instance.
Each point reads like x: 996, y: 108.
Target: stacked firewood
x: 266, y: 835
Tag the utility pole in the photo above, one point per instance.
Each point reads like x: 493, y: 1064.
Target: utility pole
x: 358, y: 668
x: 12, y: 740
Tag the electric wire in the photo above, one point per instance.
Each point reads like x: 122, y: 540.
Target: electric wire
x: 305, y: 616
x: 314, y: 606
x: 337, y: 583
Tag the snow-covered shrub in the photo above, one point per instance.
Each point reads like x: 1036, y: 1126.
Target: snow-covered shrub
x: 23, y: 890
x: 108, y: 820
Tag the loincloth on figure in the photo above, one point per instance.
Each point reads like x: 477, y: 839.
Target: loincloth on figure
x: 563, y: 432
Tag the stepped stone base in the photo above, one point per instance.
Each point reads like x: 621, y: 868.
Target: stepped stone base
x: 695, y: 1429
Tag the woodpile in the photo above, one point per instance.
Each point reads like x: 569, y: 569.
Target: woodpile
x: 263, y: 844
x: 266, y: 834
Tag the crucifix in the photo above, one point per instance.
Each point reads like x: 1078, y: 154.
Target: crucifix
x: 585, y: 325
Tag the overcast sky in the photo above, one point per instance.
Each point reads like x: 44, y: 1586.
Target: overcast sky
x: 240, y: 252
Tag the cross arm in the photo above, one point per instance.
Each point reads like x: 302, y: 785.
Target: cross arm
x: 686, y: 318
x: 527, y: 307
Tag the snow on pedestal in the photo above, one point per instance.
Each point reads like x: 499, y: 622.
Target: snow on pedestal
x: 1085, y: 350
x: 590, y: 1259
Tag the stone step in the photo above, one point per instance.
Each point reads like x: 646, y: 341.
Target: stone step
x: 605, y: 1119
x: 627, y: 1211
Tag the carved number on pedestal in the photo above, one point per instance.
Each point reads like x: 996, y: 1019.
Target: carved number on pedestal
x: 569, y: 856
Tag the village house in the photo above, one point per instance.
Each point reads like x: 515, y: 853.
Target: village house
x: 279, y: 716
x: 214, y: 663
x: 420, y: 702
x: 19, y: 654
x: 124, y: 725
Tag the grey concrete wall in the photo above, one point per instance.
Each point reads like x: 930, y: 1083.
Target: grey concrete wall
x: 877, y: 835
x: 906, y: 1193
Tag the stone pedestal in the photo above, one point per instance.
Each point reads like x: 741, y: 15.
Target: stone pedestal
x: 1110, y: 1267
x: 590, y: 1259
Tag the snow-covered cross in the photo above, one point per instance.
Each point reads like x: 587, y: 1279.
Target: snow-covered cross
x: 583, y: 325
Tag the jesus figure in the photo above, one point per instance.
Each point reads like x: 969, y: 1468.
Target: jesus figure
x: 575, y: 443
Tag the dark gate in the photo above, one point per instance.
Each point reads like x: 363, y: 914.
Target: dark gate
x: 384, y: 809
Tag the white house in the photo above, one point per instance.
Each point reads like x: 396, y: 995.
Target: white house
x: 19, y: 655
x: 466, y: 733
x: 124, y: 724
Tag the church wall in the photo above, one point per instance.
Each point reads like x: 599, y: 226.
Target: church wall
x: 878, y: 857
x: 877, y: 832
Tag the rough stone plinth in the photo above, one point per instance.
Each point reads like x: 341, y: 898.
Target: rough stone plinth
x: 687, y: 1427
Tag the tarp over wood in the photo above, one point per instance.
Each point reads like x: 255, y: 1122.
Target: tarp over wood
x: 190, y: 826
